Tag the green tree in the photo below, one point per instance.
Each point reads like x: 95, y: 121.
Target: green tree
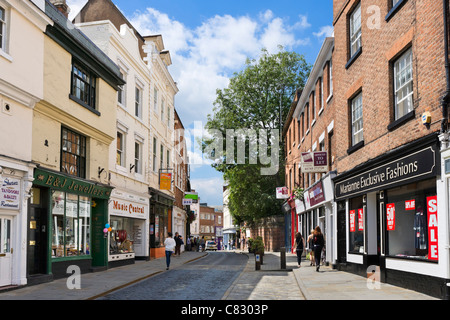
x: 259, y: 97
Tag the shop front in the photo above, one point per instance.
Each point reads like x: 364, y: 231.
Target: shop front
x: 15, y: 184
x: 160, y: 221
x: 66, y: 220
x: 129, y: 221
x: 317, y: 209
x: 392, y: 222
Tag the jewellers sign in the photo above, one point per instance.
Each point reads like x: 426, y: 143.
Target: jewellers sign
x: 415, y: 166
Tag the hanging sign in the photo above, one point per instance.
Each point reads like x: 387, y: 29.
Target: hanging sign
x: 282, y: 193
x: 360, y: 219
x: 314, y: 161
x: 165, y: 181
x: 352, y: 221
x: 433, y: 253
x: 390, y: 216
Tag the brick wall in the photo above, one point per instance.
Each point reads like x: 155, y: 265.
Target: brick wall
x: 417, y: 25
x: 272, y: 231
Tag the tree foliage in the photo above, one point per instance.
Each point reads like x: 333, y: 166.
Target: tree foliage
x: 259, y: 97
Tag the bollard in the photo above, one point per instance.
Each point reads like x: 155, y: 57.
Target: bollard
x: 257, y: 262
x: 283, y: 258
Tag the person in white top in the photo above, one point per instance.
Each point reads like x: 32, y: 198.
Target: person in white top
x: 170, y: 244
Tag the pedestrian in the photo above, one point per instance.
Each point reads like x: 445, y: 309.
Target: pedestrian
x: 311, y: 247
x: 319, y: 243
x: 188, y: 244
x: 202, y: 244
x: 299, y: 245
x: 169, y: 243
x: 177, y: 244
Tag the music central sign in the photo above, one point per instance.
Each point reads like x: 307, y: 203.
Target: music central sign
x: 413, y: 167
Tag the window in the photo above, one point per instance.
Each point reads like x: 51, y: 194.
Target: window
x: 161, y: 159
x: 330, y: 78
x: 162, y: 110
x: 83, y: 86
x: 120, y: 156
x: 408, y: 212
x: 2, y: 29
x: 168, y: 116
x: 313, y: 109
x: 73, y: 153
x: 357, y: 120
x: 168, y: 158
x: 137, y: 158
x: 394, y: 2
x: 403, y: 85
x: 355, y: 30
x: 154, y: 154
x: 71, y: 216
x: 121, y: 93
x: 155, y: 100
x: 321, y: 93
x: 138, y: 103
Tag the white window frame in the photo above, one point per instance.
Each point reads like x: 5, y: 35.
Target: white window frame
x: 138, y: 101
x: 355, y: 30
x: 330, y: 76
x: 403, y: 82
x: 155, y: 154
x: 122, y: 92
x: 155, y: 99
x: 121, y: 149
x: 3, y: 25
x: 357, y: 119
x: 138, y: 157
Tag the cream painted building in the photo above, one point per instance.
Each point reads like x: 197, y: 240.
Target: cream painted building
x: 145, y: 111
x: 73, y: 127
x: 128, y: 155
x: 21, y: 86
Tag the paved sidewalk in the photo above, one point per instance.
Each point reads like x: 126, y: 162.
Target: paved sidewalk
x: 99, y: 283
x: 329, y: 284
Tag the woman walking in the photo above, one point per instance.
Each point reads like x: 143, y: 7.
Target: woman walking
x: 311, y: 247
x: 299, y: 245
x: 170, y: 244
x: 319, y: 243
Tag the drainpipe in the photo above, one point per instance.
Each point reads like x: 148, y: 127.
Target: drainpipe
x: 446, y: 98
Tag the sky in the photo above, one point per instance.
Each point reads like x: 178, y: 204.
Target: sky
x: 210, y: 40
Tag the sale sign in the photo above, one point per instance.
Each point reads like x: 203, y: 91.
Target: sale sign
x: 352, y: 221
x: 410, y: 205
x: 433, y: 253
x: 360, y: 220
x: 390, y: 216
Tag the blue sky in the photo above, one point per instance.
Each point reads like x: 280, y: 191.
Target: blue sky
x: 209, y: 40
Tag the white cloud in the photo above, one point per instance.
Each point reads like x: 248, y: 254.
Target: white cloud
x: 325, y: 31
x: 208, y: 188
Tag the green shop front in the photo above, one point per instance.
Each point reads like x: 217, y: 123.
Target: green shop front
x: 66, y: 220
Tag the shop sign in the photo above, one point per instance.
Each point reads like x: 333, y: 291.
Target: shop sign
x: 352, y: 221
x: 190, y: 198
x: 70, y: 185
x: 165, y: 180
x: 282, y: 193
x: 360, y: 219
x: 316, y: 194
x: 390, y: 216
x: 9, y: 193
x: 128, y: 209
x: 433, y: 253
x: 314, y: 161
x: 415, y: 166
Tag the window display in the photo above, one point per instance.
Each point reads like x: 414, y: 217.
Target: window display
x: 408, y: 216
x: 356, y: 225
x: 70, y: 224
x: 122, y: 235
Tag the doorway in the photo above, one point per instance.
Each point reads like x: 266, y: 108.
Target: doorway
x: 5, y: 251
x: 341, y: 229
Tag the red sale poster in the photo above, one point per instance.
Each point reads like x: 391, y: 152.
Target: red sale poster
x: 410, y: 205
x: 390, y: 216
x: 352, y: 221
x: 433, y: 252
x: 360, y: 220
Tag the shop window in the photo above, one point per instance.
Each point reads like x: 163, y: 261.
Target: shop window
x: 407, y: 213
x: 356, y: 225
x: 73, y: 153
x: 122, y: 236
x: 71, y: 216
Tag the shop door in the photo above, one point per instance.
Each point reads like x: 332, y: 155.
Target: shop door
x: 341, y: 229
x: 37, y: 242
x: 5, y: 252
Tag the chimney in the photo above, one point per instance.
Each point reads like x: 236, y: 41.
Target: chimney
x: 62, y: 6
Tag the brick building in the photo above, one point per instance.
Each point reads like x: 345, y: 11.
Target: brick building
x: 210, y: 221
x: 383, y: 200
x: 389, y: 70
